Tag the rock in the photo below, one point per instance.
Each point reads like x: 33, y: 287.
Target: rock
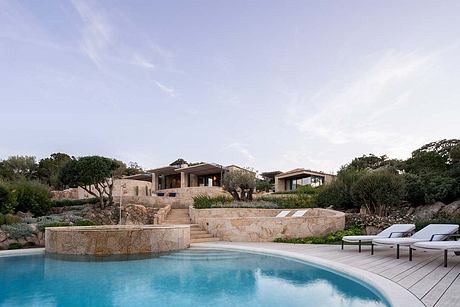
x: 134, y: 215
x: 410, y: 211
x: 429, y: 211
x: 452, y: 208
x: 3, y: 236
x: 26, y: 215
x: 372, y: 230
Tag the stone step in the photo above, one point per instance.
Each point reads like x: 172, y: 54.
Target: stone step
x: 204, y: 240
x: 178, y: 220
x: 197, y: 232
x: 200, y: 236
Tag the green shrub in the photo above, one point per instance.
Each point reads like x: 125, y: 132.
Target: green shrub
x: 84, y: 223
x: 379, y: 191
x: 329, y: 239
x: 9, y: 219
x: 206, y: 201
x: 7, y: 200
x: 19, y: 230
x: 415, y: 193
x: 42, y: 227
x: 290, y: 201
x: 73, y: 202
x: 15, y: 246
x: 31, y: 196
x: 438, y: 219
x: 260, y: 204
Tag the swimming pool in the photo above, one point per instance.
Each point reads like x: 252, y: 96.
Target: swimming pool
x: 194, y: 277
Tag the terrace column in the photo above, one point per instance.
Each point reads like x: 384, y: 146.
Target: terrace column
x: 154, y: 182
x: 279, y: 184
x: 183, y: 180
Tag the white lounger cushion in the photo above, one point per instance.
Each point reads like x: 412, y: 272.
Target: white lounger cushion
x: 395, y: 241
x: 283, y: 213
x: 360, y: 238
x: 397, y: 230
x: 441, y: 245
x: 299, y: 213
x: 424, y: 234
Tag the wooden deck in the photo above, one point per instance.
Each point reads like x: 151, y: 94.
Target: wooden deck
x: 425, y: 276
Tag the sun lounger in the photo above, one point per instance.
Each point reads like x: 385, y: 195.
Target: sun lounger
x: 432, y: 232
x: 299, y: 213
x: 394, y: 231
x: 445, y: 246
x: 283, y: 213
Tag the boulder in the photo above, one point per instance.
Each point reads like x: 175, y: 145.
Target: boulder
x: 134, y: 215
x: 452, y: 208
x: 3, y: 236
x: 429, y: 211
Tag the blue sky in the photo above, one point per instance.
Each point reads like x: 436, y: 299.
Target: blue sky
x: 264, y: 84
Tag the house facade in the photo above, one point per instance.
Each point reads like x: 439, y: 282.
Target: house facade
x: 293, y: 179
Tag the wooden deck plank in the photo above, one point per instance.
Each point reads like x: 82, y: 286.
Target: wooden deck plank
x: 451, y: 297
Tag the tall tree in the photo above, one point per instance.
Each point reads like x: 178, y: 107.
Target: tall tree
x: 50, y: 168
x: 94, y: 174
x: 18, y: 167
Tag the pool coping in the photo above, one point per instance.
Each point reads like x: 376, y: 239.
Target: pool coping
x: 22, y: 252
x: 394, y: 293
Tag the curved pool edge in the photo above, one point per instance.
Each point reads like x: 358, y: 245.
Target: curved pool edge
x: 394, y: 293
x: 22, y: 252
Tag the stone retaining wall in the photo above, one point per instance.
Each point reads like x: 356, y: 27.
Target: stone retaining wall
x: 116, y: 240
x: 261, y: 225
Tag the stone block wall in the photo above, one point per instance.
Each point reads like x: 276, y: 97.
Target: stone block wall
x: 261, y: 225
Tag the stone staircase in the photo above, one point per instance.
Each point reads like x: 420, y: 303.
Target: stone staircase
x: 197, y: 234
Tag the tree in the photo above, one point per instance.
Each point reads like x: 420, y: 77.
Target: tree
x: 442, y: 147
x: 240, y: 183
x: 94, y: 174
x: 133, y: 169
x: 50, y: 168
x: 339, y: 192
x: 178, y: 162
x: 18, y: 167
x: 263, y: 185
x: 378, y: 191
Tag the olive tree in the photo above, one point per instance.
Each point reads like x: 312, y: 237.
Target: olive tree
x: 94, y: 174
x: 240, y: 183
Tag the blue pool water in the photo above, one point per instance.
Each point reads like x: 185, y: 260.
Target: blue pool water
x: 194, y: 277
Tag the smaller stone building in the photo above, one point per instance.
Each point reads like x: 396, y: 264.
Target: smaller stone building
x: 293, y: 179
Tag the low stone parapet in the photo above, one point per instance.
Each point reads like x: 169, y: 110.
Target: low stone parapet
x: 116, y: 240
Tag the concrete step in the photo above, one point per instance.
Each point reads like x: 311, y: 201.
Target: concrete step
x: 199, y: 240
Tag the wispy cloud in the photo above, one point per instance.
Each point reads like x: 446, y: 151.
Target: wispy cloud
x: 168, y: 90
x: 96, y: 33
x: 355, y: 110
x: 241, y: 149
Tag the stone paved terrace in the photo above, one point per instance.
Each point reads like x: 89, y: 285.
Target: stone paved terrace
x: 425, y: 276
